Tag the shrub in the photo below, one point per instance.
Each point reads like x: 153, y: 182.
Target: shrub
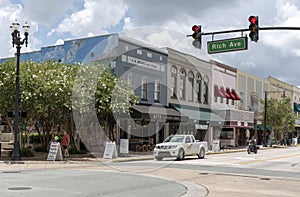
x: 73, y: 150
x: 41, y: 149
x: 24, y: 152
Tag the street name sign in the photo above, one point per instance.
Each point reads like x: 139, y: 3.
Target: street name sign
x: 227, y: 45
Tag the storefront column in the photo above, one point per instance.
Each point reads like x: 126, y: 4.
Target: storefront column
x: 209, y: 137
x: 167, y: 129
x: 157, y: 132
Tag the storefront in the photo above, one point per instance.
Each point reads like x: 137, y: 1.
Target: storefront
x: 148, y: 125
x: 203, y: 123
x: 236, y: 127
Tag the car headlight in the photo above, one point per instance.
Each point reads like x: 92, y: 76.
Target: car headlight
x: 172, y: 147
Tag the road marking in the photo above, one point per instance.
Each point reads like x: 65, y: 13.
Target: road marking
x: 268, y: 159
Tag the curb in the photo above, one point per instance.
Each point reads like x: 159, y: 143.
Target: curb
x: 132, y: 158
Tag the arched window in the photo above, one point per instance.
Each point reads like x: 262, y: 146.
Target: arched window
x: 205, y: 89
x: 182, y: 83
x: 191, y: 86
x: 198, y: 87
x: 173, y: 82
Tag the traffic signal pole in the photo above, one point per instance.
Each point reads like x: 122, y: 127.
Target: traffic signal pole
x: 243, y: 30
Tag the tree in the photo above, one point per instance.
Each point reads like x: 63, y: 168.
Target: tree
x: 45, y: 93
x: 279, y: 116
x: 54, y: 94
x: 97, y: 97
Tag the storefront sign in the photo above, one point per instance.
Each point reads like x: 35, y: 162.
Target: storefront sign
x: 201, y: 126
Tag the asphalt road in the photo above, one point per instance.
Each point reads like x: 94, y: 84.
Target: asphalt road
x: 272, y: 172
x: 71, y: 182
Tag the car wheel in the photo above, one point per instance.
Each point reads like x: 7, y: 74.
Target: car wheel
x: 180, y: 155
x: 158, y: 158
x: 201, y: 154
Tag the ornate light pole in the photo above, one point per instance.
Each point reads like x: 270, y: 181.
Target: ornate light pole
x: 17, y: 41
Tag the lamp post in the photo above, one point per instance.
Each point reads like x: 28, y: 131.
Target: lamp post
x: 18, y: 42
x: 265, y: 114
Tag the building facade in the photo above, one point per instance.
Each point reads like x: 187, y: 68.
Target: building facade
x: 224, y: 101
x: 189, y: 91
x: 252, y: 90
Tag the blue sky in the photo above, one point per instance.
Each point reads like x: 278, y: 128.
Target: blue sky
x: 165, y: 24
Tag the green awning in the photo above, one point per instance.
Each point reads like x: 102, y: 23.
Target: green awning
x: 261, y: 127
x: 201, y: 116
x: 268, y: 128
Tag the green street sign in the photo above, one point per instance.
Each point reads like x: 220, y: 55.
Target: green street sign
x: 228, y: 45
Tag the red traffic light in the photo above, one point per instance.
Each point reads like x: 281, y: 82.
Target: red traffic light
x: 195, y: 28
x: 252, y: 19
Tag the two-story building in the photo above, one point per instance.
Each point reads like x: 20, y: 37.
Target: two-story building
x: 189, y: 91
x: 224, y: 101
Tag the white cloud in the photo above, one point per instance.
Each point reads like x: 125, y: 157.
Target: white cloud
x: 60, y: 42
x: 286, y: 41
x: 8, y: 13
x: 95, y: 18
x: 46, y: 12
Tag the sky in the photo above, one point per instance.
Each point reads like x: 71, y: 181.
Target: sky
x: 166, y: 24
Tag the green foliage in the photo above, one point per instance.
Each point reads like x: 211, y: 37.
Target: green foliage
x: 41, y: 149
x: 24, y: 152
x: 50, y: 90
x: 73, y: 150
x: 280, y: 115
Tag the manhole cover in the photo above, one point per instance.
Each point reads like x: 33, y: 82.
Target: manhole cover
x: 265, y: 179
x: 203, y: 173
x: 19, y: 188
x: 11, y: 171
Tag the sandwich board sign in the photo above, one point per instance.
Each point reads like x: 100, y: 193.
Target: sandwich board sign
x: 124, y: 146
x: 55, y: 152
x: 110, y: 150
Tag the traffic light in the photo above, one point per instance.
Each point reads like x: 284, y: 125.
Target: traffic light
x: 197, y: 36
x: 253, y: 27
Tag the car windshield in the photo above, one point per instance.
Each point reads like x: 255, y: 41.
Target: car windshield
x: 177, y: 139
x: 168, y: 138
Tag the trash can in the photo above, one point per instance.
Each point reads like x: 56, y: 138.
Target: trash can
x: 216, y: 145
x: 294, y: 141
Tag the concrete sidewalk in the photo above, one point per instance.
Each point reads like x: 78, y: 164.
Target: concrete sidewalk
x: 42, y: 157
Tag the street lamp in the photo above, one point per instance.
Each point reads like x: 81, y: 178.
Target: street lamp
x: 17, y: 41
x: 265, y: 114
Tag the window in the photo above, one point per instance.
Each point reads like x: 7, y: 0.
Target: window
x: 139, y: 51
x: 188, y: 139
x: 144, y: 89
x: 198, y: 88
x: 226, y: 133
x: 124, y: 58
x: 205, y: 90
x: 173, y: 82
x: 130, y: 80
x: 156, y: 90
x: 191, y: 86
x: 182, y: 83
x: 149, y: 54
